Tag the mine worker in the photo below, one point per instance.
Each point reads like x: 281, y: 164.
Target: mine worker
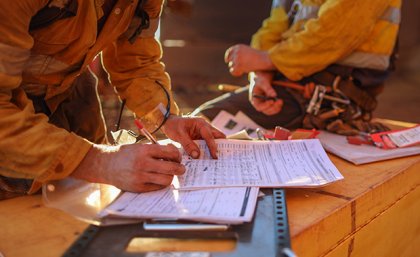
x: 51, y: 125
x: 319, y: 65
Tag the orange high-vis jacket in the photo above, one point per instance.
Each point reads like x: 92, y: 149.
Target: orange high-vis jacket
x: 356, y: 33
x: 46, y: 61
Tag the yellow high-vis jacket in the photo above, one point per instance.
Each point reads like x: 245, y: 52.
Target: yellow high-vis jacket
x: 354, y: 33
x: 47, y: 60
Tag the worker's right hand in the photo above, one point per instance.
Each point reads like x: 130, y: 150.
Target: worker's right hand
x: 260, y: 84
x: 134, y: 168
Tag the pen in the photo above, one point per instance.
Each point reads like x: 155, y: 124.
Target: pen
x: 266, y: 98
x: 145, y: 132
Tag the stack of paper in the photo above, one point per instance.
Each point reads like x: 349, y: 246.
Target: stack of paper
x: 288, y: 163
x: 222, y: 192
x: 221, y: 205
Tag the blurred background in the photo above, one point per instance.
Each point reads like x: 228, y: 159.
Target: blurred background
x: 196, y: 33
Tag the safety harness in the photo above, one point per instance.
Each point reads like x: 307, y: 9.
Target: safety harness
x: 338, y: 101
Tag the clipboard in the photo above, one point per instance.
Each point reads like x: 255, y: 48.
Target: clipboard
x: 267, y: 235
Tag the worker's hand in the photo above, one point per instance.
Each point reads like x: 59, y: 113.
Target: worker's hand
x: 260, y: 85
x: 243, y: 59
x: 134, y: 168
x: 186, y: 129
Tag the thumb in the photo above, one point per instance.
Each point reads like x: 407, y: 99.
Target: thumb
x: 228, y: 54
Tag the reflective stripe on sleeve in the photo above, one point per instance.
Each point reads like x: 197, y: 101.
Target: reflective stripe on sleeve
x: 392, y: 15
x: 366, y: 60
x: 278, y: 3
x: 307, y: 12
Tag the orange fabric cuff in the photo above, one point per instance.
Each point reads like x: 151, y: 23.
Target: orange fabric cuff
x: 69, y: 157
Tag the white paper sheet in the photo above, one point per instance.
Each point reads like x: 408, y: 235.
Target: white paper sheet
x: 290, y: 163
x: 361, y: 154
x: 219, y: 205
x: 406, y: 137
x: 229, y: 124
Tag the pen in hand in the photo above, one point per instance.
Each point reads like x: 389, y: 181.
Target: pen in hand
x: 145, y: 132
x: 266, y: 98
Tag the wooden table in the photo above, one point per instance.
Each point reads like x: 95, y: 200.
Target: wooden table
x: 374, y: 211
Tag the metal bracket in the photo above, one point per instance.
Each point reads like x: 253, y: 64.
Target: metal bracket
x: 281, y: 224
x: 77, y: 248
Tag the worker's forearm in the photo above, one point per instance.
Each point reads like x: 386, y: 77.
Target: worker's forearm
x: 93, y: 166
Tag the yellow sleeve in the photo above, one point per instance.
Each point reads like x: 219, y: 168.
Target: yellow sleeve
x: 30, y: 147
x: 340, y: 28
x: 135, y: 68
x: 272, y: 29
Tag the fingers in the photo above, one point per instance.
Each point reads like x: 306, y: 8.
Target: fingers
x: 166, y: 152
x: 269, y: 107
x: 145, y: 188
x: 207, y: 134
x: 263, y: 88
x: 217, y: 133
x: 274, y: 108
x: 234, y: 68
x: 190, y: 147
x: 164, y: 167
x: 235, y: 71
x: 153, y: 174
x: 231, y: 58
x: 186, y: 129
x: 228, y: 54
x: 157, y: 179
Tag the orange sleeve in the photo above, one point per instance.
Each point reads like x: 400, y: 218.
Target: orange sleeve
x: 341, y: 27
x: 30, y: 147
x: 272, y: 29
x: 135, y: 68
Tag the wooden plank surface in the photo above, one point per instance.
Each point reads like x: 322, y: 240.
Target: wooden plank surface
x: 322, y: 218
x: 30, y: 229
x: 394, y: 232
x: 324, y: 221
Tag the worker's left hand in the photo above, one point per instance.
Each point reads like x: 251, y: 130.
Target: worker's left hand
x: 186, y: 129
x: 242, y: 59
x: 260, y: 84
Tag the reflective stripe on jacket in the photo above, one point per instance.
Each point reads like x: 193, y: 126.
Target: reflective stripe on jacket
x: 356, y: 33
x: 47, y: 61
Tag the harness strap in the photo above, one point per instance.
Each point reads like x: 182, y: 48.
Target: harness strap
x: 144, y: 22
x: 346, y: 85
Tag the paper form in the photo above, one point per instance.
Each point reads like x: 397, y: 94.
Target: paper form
x: 289, y: 163
x: 220, y: 205
x: 406, y: 137
x: 229, y: 124
x: 361, y: 154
